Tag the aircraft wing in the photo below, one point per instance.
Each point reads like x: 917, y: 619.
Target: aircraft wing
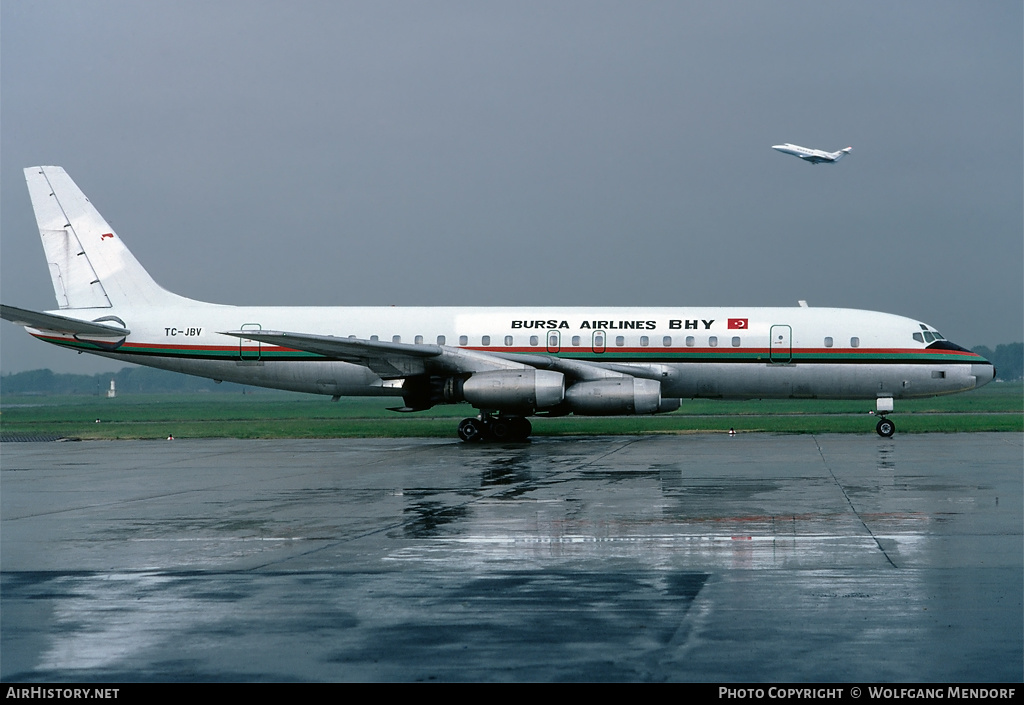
x: 387, y: 360
x: 585, y: 370
x: 59, y: 324
x: 397, y: 360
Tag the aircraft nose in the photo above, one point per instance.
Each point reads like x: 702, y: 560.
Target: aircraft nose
x: 983, y: 373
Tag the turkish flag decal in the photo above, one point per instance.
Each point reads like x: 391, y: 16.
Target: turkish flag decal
x: 739, y: 323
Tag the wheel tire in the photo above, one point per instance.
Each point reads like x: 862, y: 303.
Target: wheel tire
x: 501, y: 430
x: 885, y: 428
x: 521, y: 428
x: 471, y: 430
x: 510, y: 429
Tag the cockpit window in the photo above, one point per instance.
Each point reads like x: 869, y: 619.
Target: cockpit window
x: 929, y: 336
x: 946, y: 345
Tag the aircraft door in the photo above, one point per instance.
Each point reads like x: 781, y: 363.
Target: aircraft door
x: 554, y: 341
x: 250, y: 349
x: 780, y: 344
x: 599, y: 341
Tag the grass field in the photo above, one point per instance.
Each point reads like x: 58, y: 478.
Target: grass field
x: 268, y: 414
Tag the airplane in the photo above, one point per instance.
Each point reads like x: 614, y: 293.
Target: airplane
x: 814, y: 156
x: 510, y: 364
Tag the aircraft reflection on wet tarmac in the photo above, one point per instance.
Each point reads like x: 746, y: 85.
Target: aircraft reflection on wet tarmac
x: 704, y: 557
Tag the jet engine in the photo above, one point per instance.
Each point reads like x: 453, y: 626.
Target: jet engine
x: 514, y: 390
x: 528, y: 390
x: 618, y: 395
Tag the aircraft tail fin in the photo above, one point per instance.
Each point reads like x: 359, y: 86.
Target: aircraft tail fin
x: 89, y: 265
x: 841, y: 153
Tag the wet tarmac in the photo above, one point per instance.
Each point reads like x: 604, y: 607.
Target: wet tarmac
x: 704, y: 557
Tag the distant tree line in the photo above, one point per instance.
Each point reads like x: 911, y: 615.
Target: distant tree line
x: 1008, y: 359
x: 127, y: 380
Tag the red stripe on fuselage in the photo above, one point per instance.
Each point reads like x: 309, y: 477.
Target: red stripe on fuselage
x: 128, y: 347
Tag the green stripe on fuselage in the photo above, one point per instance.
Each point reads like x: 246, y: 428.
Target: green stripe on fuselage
x: 652, y: 357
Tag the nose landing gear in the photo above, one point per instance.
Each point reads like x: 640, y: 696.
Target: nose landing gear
x: 885, y: 427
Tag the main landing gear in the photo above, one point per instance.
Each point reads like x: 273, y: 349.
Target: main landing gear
x: 513, y: 429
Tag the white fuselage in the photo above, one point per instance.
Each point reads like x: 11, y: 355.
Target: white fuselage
x: 814, y: 156
x: 693, y: 352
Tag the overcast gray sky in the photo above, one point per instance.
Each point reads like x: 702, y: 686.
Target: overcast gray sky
x: 528, y: 153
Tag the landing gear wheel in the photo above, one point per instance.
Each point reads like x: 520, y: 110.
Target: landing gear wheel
x: 501, y: 429
x: 508, y: 429
x: 885, y: 428
x: 513, y: 429
x: 521, y: 428
x: 471, y: 430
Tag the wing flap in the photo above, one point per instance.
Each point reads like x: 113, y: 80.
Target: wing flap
x: 388, y: 360
x: 589, y: 371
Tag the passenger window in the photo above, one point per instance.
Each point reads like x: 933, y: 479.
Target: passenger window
x: 396, y: 339
x: 667, y: 341
x: 644, y: 340
x: 485, y: 340
x: 854, y: 342
x: 828, y: 341
x: 508, y: 340
x: 620, y: 340
x: 918, y: 337
x: 534, y: 340
x: 736, y: 341
x: 713, y: 341
x: 440, y: 340
x: 575, y: 341
x: 374, y: 338
x: 463, y: 340
x: 418, y: 340
x: 690, y: 341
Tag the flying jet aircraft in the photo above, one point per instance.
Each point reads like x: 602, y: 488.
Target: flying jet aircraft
x: 814, y: 156
x: 508, y: 363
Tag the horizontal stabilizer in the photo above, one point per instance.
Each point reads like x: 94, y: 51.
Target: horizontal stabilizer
x: 59, y: 324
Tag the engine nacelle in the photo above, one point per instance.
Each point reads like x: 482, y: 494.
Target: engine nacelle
x: 668, y: 405
x: 618, y: 395
x: 515, y: 390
